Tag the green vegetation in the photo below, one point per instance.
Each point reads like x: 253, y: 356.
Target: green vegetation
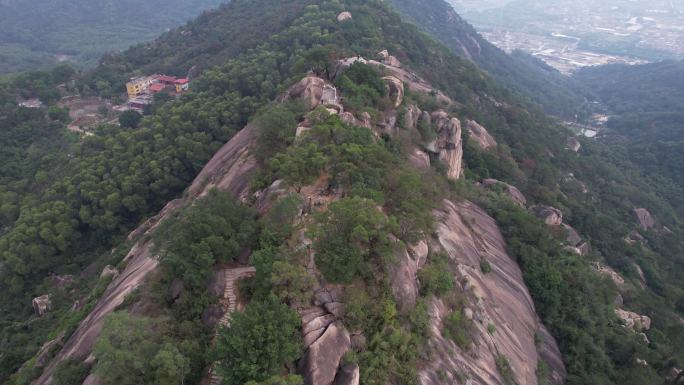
x: 504, y: 368
x: 458, y: 328
x: 259, y: 342
x: 70, y: 372
x: 436, y: 277
x: 352, y: 232
x: 214, y: 229
x: 130, y: 119
x: 63, y: 208
x: 34, y: 35
x: 133, y: 350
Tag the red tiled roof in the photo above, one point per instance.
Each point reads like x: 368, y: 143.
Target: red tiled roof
x: 166, y: 79
x: 156, y: 87
x: 182, y: 81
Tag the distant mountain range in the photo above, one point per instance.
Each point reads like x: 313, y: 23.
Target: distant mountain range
x: 39, y: 33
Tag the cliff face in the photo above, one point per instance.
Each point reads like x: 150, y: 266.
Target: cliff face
x: 499, y: 298
x: 229, y: 171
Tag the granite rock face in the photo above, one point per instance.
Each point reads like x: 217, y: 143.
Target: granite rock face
x: 321, y: 360
x: 500, y: 298
x: 480, y: 135
x: 644, y: 218
x: 516, y: 196
x: 633, y: 321
x: 550, y: 215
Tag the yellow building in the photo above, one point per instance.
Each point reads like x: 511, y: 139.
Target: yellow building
x: 138, y: 86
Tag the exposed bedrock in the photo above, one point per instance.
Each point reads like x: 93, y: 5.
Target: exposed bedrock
x: 500, y: 298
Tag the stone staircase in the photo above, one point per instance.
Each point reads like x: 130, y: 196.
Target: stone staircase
x: 229, y: 303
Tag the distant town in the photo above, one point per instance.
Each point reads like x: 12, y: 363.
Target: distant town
x: 569, y: 35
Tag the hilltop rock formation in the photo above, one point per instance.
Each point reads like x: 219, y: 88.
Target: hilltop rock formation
x: 467, y: 234
x: 516, y: 196
x: 550, y: 215
x: 480, y: 135
x: 644, y: 218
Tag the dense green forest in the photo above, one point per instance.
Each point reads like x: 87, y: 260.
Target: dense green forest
x: 646, y: 108
x: 75, y: 202
x: 33, y: 35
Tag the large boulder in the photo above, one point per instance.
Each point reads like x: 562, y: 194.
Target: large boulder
x: 348, y: 375
x: 572, y: 238
x: 42, y: 304
x: 610, y: 273
x: 403, y: 280
x: 550, y: 215
x: 633, y: 321
x: 480, y: 135
x: 516, y: 196
x: 644, y: 218
x: 419, y: 159
x: 388, y: 59
x: 322, y: 359
x: 448, y: 144
x: 344, y: 16
x: 395, y: 88
x: 309, y: 90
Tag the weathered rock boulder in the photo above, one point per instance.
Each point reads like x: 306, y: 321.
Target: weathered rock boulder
x: 344, y: 16
x: 480, y: 135
x: 516, y: 196
x: 93, y: 379
x: 550, y: 215
x: 644, y: 218
x: 349, y: 374
x: 448, y: 144
x: 403, y: 279
x: 572, y: 238
x: 309, y: 90
x: 395, y: 88
x: 633, y: 321
x: 411, y: 115
x: 321, y: 360
x: 610, y: 273
x: 42, y: 304
x: 419, y: 159
x: 109, y: 271
x: 388, y: 59
x: 635, y: 237
x: 467, y: 234
x: 573, y: 144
